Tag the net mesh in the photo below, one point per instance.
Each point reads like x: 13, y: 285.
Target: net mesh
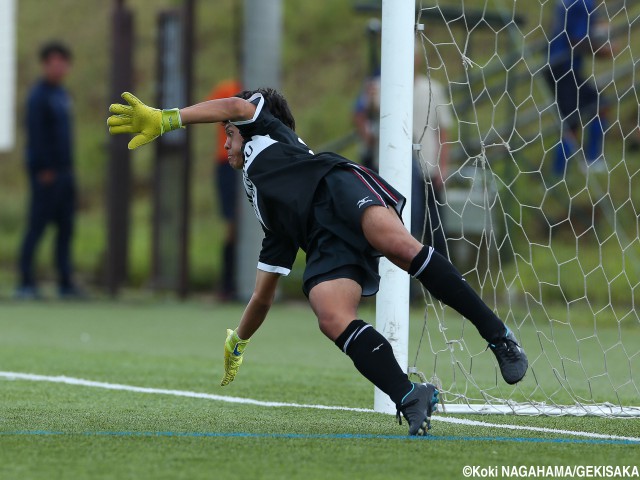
x: 536, y: 186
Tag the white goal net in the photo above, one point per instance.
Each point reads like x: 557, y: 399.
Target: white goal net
x: 537, y: 186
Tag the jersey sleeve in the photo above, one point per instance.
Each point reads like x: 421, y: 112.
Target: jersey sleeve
x: 262, y: 123
x: 277, y: 254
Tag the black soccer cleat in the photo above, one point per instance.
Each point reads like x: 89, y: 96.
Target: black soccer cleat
x: 511, y: 358
x: 417, y: 407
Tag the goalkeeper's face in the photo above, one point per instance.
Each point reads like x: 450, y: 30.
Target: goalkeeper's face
x: 233, y: 146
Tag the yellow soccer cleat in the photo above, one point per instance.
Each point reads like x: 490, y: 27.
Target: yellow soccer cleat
x: 233, y: 349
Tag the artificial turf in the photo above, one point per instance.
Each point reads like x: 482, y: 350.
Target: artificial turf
x: 51, y: 430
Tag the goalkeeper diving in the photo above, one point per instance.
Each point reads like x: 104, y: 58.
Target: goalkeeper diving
x: 344, y: 217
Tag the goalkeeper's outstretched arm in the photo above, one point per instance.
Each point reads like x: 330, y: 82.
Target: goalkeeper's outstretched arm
x: 148, y: 123
x: 221, y: 110
x: 252, y: 318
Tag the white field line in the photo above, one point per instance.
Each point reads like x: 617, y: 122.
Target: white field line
x: 162, y: 391
x: 250, y: 401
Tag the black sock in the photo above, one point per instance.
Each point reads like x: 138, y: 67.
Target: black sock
x: 372, y: 355
x: 445, y: 283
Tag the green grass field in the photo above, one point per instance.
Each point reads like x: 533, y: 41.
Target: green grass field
x: 53, y: 430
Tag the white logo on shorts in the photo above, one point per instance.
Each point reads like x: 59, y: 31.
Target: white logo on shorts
x: 364, y: 201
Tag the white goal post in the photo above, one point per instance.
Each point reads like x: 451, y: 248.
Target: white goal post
x: 555, y: 252
x: 7, y: 73
x: 396, y: 124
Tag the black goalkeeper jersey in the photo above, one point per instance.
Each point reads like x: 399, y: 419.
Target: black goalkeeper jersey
x: 281, y: 175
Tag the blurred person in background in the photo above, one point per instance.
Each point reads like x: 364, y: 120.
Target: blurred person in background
x: 579, y: 33
x: 49, y: 162
x: 366, y: 118
x: 366, y: 110
x: 226, y: 183
x: 432, y: 118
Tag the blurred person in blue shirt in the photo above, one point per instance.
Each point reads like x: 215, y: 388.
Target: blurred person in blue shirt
x: 366, y: 118
x: 49, y: 162
x: 579, y: 33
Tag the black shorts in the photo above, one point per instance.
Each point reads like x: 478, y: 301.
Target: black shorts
x: 337, y: 247
x: 353, y: 272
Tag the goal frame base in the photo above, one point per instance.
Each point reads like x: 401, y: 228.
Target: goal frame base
x: 599, y: 410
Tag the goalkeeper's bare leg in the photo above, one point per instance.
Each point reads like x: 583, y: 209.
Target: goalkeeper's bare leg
x: 335, y: 303
x: 385, y: 232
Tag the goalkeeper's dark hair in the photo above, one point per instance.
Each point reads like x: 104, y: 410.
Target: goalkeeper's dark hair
x: 275, y: 103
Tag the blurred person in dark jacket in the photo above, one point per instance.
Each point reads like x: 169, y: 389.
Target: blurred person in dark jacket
x: 49, y: 163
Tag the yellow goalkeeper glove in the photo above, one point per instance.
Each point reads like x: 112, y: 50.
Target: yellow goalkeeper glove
x: 146, y: 122
x: 233, y: 350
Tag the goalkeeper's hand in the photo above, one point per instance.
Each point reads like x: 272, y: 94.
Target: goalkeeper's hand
x: 146, y: 122
x: 233, y: 350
